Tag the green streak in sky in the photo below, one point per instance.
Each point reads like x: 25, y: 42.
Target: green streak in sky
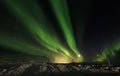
x: 109, y: 51
x: 32, y: 16
x: 20, y: 45
x: 61, y: 11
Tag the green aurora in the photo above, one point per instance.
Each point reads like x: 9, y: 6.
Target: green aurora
x: 109, y: 51
x: 61, y: 11
x: 34, y: 19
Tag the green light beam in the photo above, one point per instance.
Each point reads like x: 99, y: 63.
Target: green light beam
x: 61, y: 12
x: 38, y: 28
x: 109, y: 51
x: 21, y: 45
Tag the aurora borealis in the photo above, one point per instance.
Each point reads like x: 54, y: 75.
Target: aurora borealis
x: 60, y: 30
x: 110, y: 51
x: 38, y: 28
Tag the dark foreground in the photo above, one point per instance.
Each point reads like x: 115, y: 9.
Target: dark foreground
x: 50, y: 69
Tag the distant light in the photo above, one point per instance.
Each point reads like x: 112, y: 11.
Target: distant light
x: 97, y: 54
x: 79, y: 56
x: 79, y: 65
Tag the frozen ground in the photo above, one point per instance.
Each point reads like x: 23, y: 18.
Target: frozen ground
x: 51, y: 69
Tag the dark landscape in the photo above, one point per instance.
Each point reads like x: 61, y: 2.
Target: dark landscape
x: 55, y: 69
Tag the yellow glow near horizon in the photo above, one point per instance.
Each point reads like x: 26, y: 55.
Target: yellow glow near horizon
x: 62, y: 59
x: 79, y: 55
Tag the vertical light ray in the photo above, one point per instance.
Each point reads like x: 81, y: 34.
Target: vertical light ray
x: 61, y: 12
x: 37, y: 26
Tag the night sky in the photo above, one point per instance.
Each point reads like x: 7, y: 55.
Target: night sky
x: 95, y: 27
